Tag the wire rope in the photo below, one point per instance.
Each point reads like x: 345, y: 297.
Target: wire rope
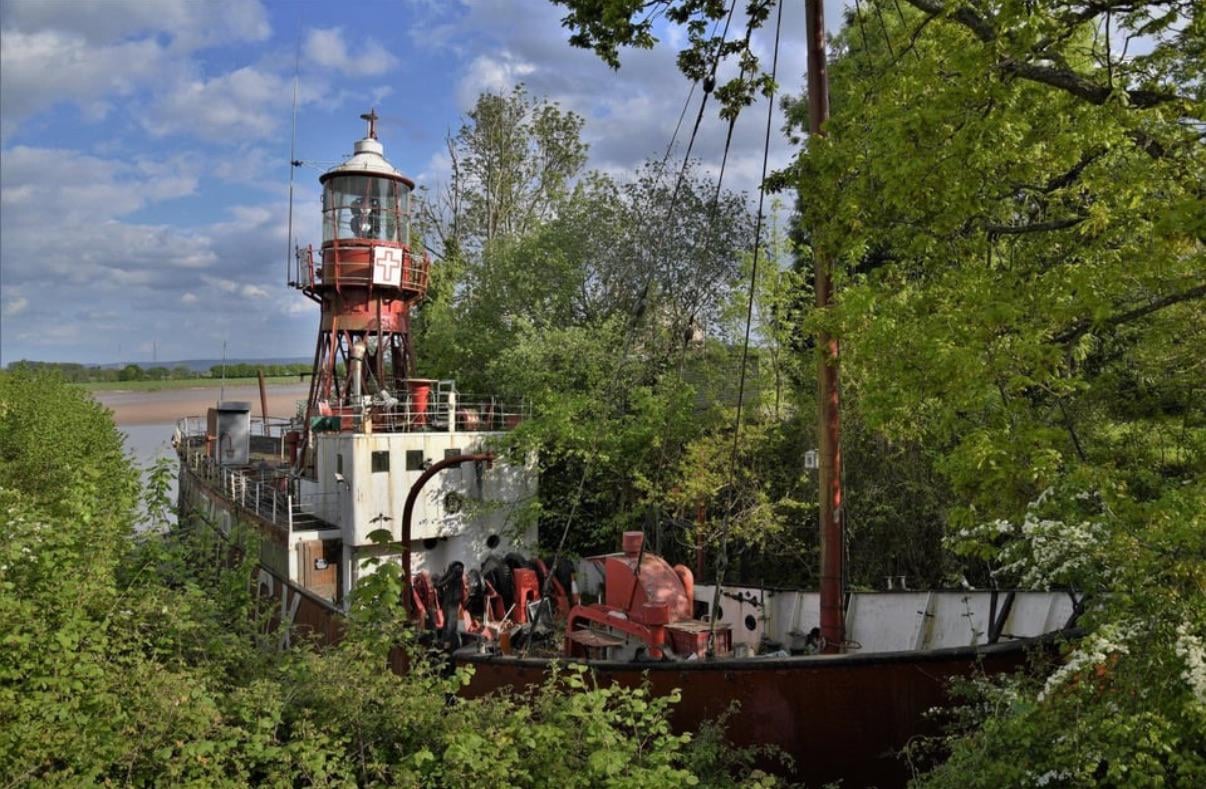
x: 722, y: 559
x: 634, y: 319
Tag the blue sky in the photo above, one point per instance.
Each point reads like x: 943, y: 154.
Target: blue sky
x: 144, y: 148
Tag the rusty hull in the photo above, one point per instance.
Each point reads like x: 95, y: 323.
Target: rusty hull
x: 840, y: 717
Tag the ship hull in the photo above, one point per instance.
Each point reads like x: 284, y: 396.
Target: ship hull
x: 839, y: 717
x: 844, y: 717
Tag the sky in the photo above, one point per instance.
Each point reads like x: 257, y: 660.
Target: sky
x: 144, y: 148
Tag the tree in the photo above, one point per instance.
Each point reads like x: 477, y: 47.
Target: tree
x: 144, y: 661
x: 1021, y: 257
x: 131, y: 372
x: 511, y: 162
x: 1014, y: 199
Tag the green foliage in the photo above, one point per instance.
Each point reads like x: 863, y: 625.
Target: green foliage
x: 58, y: 449
x: 1019, y: 262
x: 607, y: 25
x: 512, y: 162
x: 581, y: 296
x: 147, y: 376
x: 146, y: 659
x: 1012, y: 201
x: 244, y: 370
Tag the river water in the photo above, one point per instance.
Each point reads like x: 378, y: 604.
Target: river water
x: 148, y: 419
x: 146, y: 444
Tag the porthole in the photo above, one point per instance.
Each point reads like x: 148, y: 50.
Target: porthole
x: 430, y: 543
x: 492, y: 541
x: 750, y: 622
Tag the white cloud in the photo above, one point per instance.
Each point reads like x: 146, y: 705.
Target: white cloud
x: 190, y: 23
x: 83, y: 188
x: 62, y: 227
x: 243, y: 104
x: 15, y: 306
x: 630, y: 113
x: 325, y: 47
x: 90, y: 53
x: 188, y: 298
x: 38, y: 70
x: 232, y: 287
x: 493, y: 73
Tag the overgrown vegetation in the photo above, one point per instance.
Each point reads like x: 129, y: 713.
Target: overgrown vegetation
x: 1011, y: 193
x: 617, y: 306
x: 142, y: 658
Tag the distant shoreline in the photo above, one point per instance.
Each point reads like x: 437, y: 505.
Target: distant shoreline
x: 153, y: 385
x: 131, y: 407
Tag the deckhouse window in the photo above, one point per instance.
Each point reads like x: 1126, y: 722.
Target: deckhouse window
x: 381, y: 461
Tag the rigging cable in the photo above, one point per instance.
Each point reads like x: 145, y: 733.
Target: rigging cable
x: 709, y: 84
x: 674, y: 137
x: 887, y: 38
x: 634, y: 320
x: 707, y: 244
x: 862, y: 31
x: 722, y: 559
x: 728, y: 139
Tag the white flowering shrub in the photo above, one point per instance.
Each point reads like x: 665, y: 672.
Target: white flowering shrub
x: 1191, y: 649
x: 1124, y: 704
x: 1097, y: 649
x: 1044, y: 548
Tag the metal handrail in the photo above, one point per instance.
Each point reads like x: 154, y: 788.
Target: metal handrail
x: 448, y: 413
x: 260, y: 495
x: 414, y: 276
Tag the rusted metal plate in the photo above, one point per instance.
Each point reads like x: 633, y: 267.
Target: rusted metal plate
x: 591, y: 638
x: 839, y: 717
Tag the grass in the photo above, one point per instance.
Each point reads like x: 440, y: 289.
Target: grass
x: 182, y: 383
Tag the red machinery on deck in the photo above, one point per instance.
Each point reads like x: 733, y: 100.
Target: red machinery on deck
x: 647, y: 608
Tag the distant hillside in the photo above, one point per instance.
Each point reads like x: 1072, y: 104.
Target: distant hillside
x: 196, y: 365
x: 204, y: 365
x: 188, y: 369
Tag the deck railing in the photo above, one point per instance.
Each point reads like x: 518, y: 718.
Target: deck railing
x: 256, y: 493
x: 265, y: 491
x: 334, y: 269
x: 445, y: 412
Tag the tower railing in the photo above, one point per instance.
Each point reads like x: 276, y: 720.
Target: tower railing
x: 446, y: 412
x: 264, y: 496
x: 333, y: 269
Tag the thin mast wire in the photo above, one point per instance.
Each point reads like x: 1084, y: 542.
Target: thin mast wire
x: 634, y: 321
x: 293, y: 163
x: 745, y: 348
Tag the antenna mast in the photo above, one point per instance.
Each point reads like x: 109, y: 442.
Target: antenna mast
x: 372, y: 118
x: 833, y: 626
x: 293, y: 163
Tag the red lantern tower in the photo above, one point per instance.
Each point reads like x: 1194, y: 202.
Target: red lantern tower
x: 366, y: 278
